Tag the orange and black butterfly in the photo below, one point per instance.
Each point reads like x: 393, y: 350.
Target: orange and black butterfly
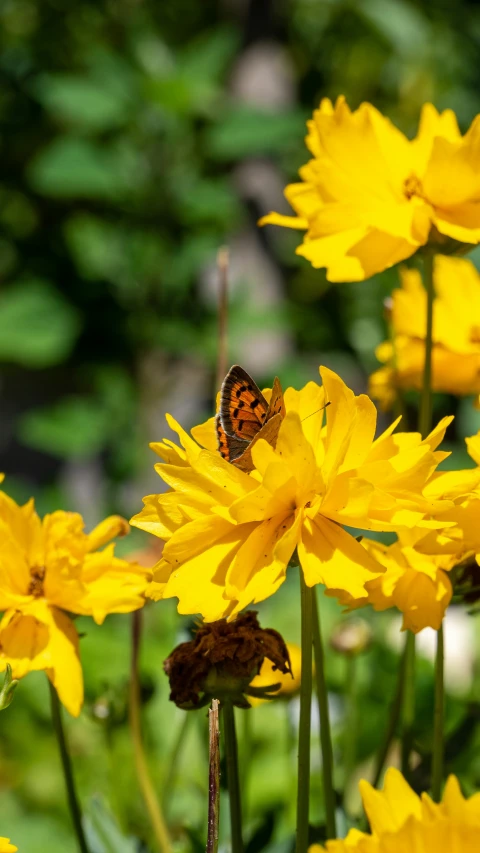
x: 244, y: 416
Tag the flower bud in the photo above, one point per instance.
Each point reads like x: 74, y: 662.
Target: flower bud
x: 351, y: 637
x: 8, y: 689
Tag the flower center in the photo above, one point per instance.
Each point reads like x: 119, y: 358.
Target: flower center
x: 37, y: 575
x: 412, y: 186
x: 475, y: 335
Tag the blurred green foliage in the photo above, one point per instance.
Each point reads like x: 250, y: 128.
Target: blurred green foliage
x: 124, y: 135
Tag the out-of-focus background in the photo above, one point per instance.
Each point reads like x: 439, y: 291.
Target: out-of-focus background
x: 137, y: 137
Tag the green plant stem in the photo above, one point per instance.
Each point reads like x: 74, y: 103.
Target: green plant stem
x: 351, y: 729
x: 325, y: 731
x: 425, y: 415
x: 247, y: 720
x: 393, y: 719
x: 73, y: 803
x: 303, y: 776
x: 143, y: 775
x: 408, y: 716
x: 233, y: 777
x: 425, y: 425
x: 438, y: 720
x: 174, y: 758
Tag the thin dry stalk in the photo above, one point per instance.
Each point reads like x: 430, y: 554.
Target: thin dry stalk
x: 213, y: 778
x: 222, y: 352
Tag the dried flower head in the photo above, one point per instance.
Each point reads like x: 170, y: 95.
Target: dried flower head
x: 221, y: 661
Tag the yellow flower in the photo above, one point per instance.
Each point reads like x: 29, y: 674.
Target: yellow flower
x: 49, y: 569
x: 416, y: 565
x: 370, y: 198
x: 230, y: 535
x: 6, y: 847
x: 403, y: 822
x: 456, y: 333
x: 270, y: 674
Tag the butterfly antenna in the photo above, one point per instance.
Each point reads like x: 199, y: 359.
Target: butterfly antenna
x: 222, y: 349
x: 316, y: 410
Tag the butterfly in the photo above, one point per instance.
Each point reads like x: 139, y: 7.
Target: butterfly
x: 244, y: 416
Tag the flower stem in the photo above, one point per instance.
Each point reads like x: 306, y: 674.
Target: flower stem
x: 437, y: 758
x: 233, y: 777
x: 73, y: 803
x: 425, y: 415
x: 213, y: 778
x: 351, y: 731
x: 408, y: 716
x: 325, y: 732
x: 174, y: 758
x: 394, y: 717
x: 146, y: 786
x: 222, y: 349
x: 425, y: 425
x: 303, y: 780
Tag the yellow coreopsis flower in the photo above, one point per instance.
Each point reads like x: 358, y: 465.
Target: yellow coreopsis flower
x: 370, y: 197
x: 456, y: 333
x: 416, y: 579
x: 403, y: 822
x: 230, y: 535
x: 6, y: 847
x: 52, y: 568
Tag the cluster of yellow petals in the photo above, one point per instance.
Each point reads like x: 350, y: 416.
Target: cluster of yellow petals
x: 369, y: 197
x: 52, y: 568
x: 6, y: 847
x: 416, y: 578
x: 403, y: 822
x: 230, y: 535
x: 456, y: 333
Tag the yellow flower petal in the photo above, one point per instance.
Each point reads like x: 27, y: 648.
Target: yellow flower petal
x: 43, y: 638
x: 330, y: 555
x: 109, y: 529
x: 389, y: 809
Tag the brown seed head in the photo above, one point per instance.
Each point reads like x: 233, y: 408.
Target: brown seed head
x: 222, y: 660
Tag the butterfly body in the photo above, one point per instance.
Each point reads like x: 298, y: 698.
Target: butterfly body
x: 244, y: 417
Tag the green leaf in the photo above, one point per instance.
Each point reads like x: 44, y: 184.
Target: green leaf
x: 103, y: 832
x: 71, y: 166
x: 245, y: 132
x: 38, y: 327
x: 76, y: 426
x: 81, y: 102
x: 208, y: 56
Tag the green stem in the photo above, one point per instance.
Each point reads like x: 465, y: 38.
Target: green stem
x: 143, y: 774
x: 174, y: 758
x: 425, y: 416
x: 350, y: 735
x: 325, y: 732
x: 247, y: 720
x: 73, y: 803
x: 303, y: 779
x: 233, y: 777
x: 425, y: 427
x: 394, y: 717
x: 408, y: 717
x: 438, y: 721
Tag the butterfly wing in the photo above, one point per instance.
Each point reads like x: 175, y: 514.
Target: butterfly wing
x: 277, y: 404
x: 229, y: 447
x: 269, y: 432
x: 243, y: 408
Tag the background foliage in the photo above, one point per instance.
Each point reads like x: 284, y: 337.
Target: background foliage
x: 138, y: 137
